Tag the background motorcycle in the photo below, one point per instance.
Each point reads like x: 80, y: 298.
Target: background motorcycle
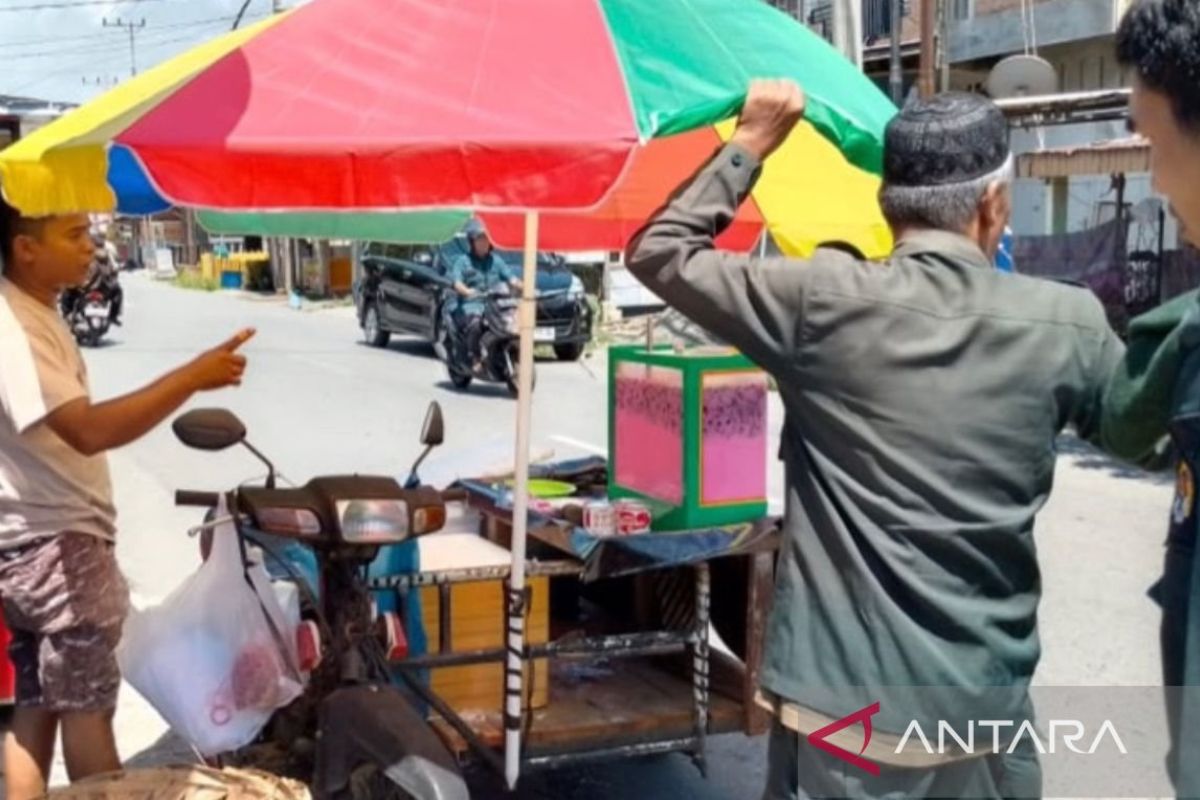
x: 499, y: 341
x: 88, y: 312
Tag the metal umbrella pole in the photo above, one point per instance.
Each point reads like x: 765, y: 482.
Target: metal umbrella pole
x: 514, y: 673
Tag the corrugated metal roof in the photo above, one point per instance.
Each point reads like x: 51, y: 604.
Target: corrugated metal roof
x: 1102, y: 158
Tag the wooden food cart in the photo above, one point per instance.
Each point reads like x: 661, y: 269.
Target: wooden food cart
x: 626, y: 663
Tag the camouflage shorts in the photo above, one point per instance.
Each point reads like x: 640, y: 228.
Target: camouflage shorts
x: 65, y: 602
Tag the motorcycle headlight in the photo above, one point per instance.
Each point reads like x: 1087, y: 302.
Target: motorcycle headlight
x: 373, y: 521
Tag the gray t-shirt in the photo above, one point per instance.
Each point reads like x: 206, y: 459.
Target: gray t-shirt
x: 46, y: 486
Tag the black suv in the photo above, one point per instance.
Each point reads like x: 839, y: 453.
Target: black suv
x: 402, y: 288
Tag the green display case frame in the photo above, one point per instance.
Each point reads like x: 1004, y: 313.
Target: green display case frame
x: 692, y: 513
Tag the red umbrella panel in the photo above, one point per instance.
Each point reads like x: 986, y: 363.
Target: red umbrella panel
x: 655, y: 171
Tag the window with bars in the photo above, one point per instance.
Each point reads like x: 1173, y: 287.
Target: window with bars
x: 877, y: 18
x: 792, y: 7
x: 876, y: 14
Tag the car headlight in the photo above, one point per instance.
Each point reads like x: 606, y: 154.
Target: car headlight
x: 576, y: 291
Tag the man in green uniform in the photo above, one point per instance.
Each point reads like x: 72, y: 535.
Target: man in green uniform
x: 923, y: 398
x: 1156, y: 390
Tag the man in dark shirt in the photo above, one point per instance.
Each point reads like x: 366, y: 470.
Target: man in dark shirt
x: 923, y: 397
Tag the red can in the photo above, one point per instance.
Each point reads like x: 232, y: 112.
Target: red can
x: 600, y: 518
x: 633, y: 517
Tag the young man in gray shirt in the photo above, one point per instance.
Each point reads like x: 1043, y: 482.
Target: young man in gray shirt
x: 64, y: 597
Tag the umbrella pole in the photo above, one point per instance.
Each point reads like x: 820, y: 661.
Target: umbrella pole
x: 514, y: 673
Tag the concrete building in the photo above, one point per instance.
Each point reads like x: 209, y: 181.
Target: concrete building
x: 1077, y: 38
x: 876, y: 34
x: 20, y: 116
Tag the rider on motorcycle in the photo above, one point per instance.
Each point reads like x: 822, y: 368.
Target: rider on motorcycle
x: 102, y: 275
x: 474, y: 274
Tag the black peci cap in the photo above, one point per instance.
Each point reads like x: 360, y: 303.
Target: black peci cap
x: 950, y: 138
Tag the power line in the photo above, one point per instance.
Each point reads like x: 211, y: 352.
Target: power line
x: 47, y: 40
x: 149, y: 38
x: 80, y: 4
x: 132, y: 28
x: 87, y: 64
x: 90, y: 62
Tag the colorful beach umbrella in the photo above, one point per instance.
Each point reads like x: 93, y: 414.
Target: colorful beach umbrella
x: 808, y: 194
x: 390, y: 104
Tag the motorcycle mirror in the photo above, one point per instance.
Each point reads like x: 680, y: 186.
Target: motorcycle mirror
x: 209, y: 429
x: 433, y: 431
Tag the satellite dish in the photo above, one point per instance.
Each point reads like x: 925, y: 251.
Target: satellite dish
x: 1147, y: 211
x: 1022, y: 76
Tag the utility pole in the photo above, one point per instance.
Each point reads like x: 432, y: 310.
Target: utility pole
x: 101, y: 80
x: 944, y: 43
x: 132, y: 28
x: 848, y: 30
x: 896, y: 76
x: 929, y: 46
x: 276, y: 8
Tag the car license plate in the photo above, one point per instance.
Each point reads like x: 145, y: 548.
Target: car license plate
x: 544, y: 335
x: 94, y: 312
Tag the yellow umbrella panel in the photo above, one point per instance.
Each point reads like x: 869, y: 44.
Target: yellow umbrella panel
x: 809, y: 194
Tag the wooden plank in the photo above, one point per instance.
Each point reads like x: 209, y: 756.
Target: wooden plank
x: 727, y: 675
x: 761, y: 568
x: 477, y: 623
x: 591, y: 708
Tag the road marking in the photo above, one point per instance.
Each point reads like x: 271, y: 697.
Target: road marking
x: 588, y: 446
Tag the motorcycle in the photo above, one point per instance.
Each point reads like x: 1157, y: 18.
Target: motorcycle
x: 88, y: 312
x: 352, y: 735
x: 499, y: 341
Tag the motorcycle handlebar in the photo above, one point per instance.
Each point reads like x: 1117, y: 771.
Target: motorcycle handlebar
x: 200, y: 499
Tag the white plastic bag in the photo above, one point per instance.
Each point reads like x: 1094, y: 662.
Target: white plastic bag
x: 208, y: 659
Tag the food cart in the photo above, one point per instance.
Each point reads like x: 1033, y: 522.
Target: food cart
x: 627, y: 660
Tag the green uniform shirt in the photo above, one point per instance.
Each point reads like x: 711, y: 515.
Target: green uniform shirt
x: 1138, y: 403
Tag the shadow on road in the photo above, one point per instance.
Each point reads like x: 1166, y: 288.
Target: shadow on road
x: 1087, y: 456
x: 412, y: 347
x: 408, y: 347
x: 656, y: 778
x: 106, y: 343
x: 478, y: 389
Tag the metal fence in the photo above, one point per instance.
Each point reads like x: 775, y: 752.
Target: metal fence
x: 876, y: 15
